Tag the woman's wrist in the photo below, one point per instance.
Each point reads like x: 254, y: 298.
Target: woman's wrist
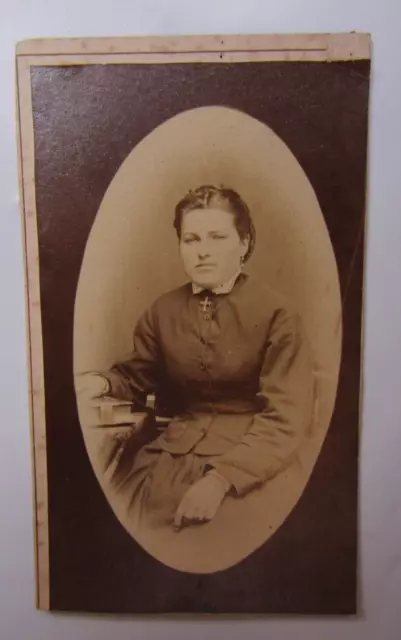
x: 225, y: 483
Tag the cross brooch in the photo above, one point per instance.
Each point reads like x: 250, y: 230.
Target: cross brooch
x: 206, y: 307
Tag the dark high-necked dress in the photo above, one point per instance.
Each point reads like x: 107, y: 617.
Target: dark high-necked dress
x: 237, y: 381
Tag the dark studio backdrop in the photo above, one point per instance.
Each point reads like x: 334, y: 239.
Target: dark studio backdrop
x: 87, y: 120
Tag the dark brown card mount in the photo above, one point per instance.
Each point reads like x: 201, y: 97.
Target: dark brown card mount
x: 312, y: 90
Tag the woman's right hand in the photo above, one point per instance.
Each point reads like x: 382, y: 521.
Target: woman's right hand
x: 91, y: 385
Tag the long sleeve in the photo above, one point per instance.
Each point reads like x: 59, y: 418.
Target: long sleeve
x: 137, y: 376
x: 286, y: 386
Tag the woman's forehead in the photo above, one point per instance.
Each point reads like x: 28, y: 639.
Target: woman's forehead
x: 204, y: 220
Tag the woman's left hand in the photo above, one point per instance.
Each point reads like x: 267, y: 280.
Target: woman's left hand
x: 201, y: 502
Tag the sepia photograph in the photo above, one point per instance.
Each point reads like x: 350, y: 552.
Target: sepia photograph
x: 194, y: 238
x: 233, y: 372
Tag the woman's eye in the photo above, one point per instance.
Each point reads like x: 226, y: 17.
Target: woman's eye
x: 219, y: 237
x: 189, y: 240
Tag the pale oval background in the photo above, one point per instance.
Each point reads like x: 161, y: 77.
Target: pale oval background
x: 132, y: 257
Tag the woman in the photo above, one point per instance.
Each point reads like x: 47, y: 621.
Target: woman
x: 226, y: 358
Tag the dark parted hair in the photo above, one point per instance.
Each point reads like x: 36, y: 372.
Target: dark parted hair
x: 208, y: 196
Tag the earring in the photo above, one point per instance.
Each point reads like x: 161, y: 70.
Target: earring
x: 241, y: 262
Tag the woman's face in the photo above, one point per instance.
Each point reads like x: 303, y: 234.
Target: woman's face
x: 210, y: 247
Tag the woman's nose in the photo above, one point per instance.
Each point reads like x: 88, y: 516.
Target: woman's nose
x: 203, y: 251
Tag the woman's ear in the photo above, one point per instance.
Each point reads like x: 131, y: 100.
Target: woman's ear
x: 244, y: 246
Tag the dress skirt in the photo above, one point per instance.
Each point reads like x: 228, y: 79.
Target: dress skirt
x: 157, y: 481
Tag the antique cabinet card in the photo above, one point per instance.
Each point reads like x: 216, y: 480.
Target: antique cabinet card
x: 193, y: 212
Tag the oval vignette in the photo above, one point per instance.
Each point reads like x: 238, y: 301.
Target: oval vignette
x: 132, y: 257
